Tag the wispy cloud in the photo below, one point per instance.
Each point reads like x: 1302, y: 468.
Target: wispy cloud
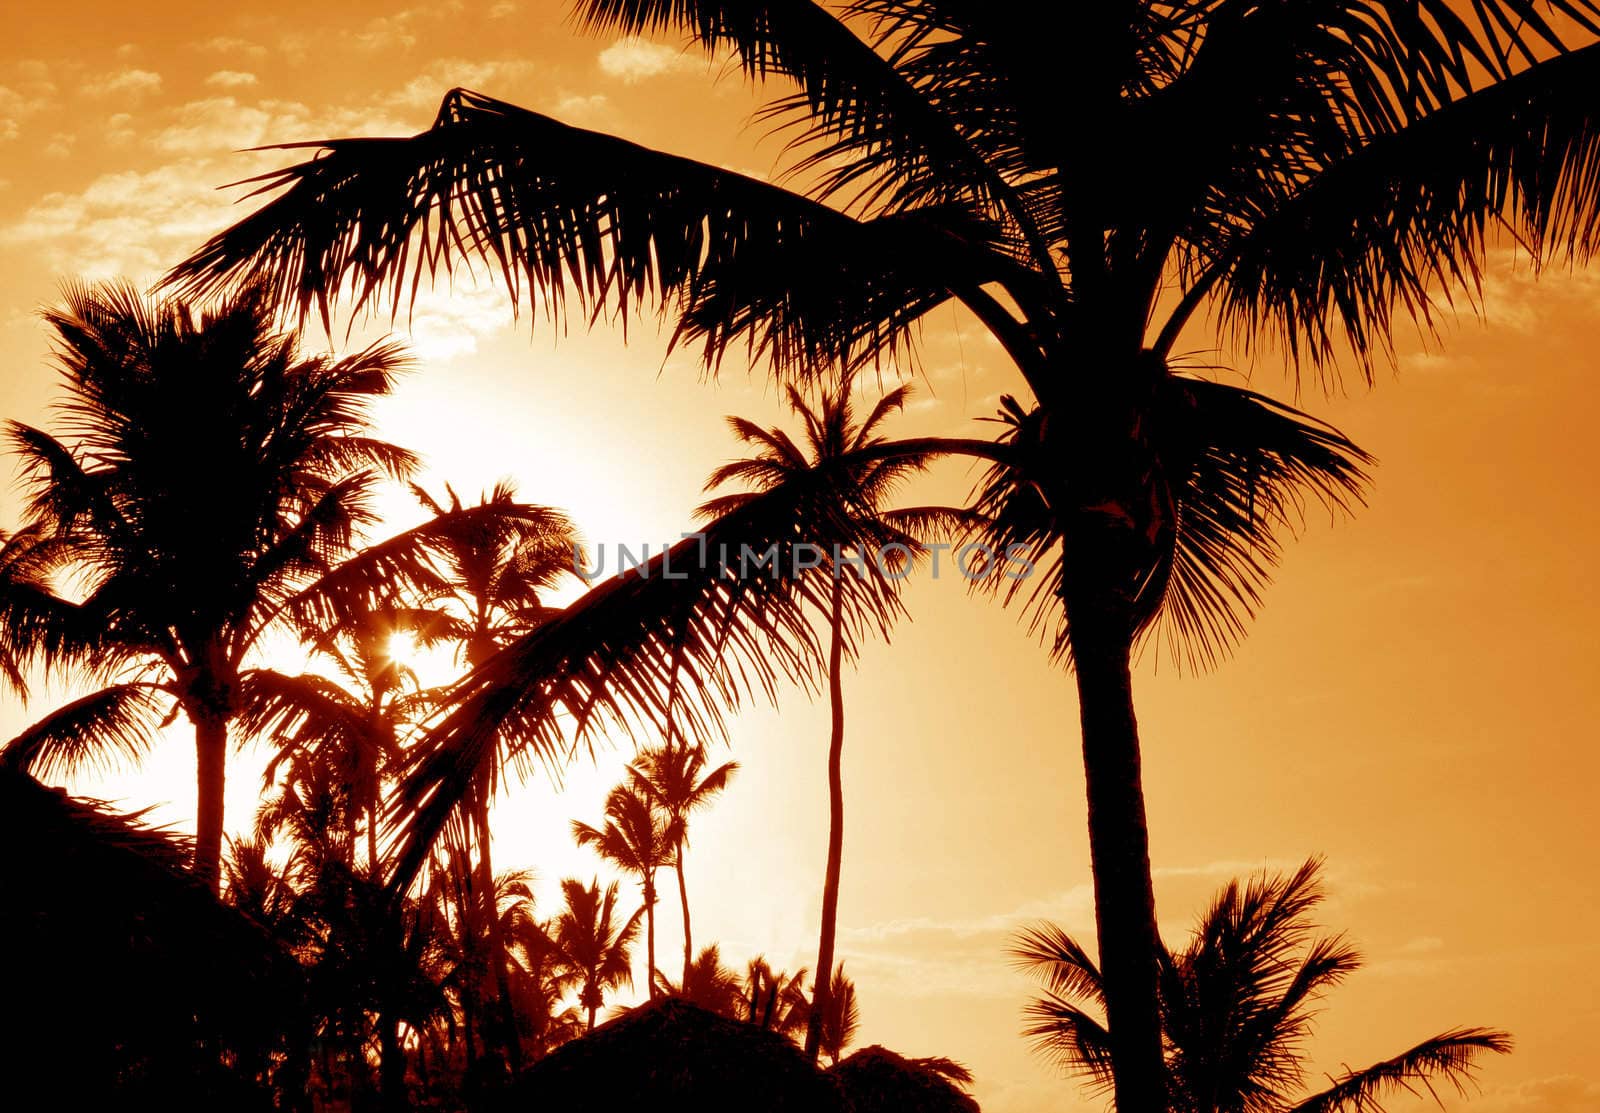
x: 129, y: 82
x: 634, y: 59
x: 231, y: 79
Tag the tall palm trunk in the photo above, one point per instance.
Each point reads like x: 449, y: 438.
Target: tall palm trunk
x: 830, y: 885
x: 683, y: 900
x: 1125, y: 912
x: 211, y: 763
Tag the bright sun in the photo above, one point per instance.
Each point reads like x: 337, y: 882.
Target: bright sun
x: 402, y: 648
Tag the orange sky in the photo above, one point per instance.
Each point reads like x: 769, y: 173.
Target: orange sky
x: 1415, y: 701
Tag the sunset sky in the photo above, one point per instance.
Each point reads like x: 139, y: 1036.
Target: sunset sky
x: 1416, y: 700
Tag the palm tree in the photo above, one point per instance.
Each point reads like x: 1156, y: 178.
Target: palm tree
x: 852, y: 516
x: 672, y: 777
x: 709, y: 984
x: 499, y: 569
x: 839, y: 1017
x: 1312, y: 173
x: 208, y: 481
x: 358, y: 726
x: 592, y: 943
x: 1238, y: 1005
x: 637, y: 838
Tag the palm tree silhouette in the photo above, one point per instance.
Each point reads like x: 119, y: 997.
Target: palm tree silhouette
x: 709, y: 984
x: 637, y: 838
x: 592, y: 942
x: 208, y: 483
x: 673, y: 777
x: 851, y: 517
x: 1311, y: 173
x: 1238, y: 1005
x: 499, y: 570
x: 357, y: 727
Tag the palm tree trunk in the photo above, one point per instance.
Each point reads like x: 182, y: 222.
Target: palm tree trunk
x: 650, y: 935
x: 830, y: 886
x: 688, y: 937
x: 1125, y: 913
x: 503, y: 1018
x: 392, y: 1063
x: 211, y: 762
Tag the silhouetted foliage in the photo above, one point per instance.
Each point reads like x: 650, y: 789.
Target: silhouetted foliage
x: 1238, y: 1005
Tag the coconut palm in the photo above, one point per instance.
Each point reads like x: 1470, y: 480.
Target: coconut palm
x: 357, y: 723
x: 1238, y: 1005
x: 1310, y: 171
x: 638, y: 838
x: 204, y: 486
x: 853, y: 519
x: 674, y: 777
x: 709, y: 984
x: 593, y: 942
x: 499, y: 569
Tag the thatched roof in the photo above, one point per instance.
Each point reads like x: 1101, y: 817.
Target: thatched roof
x: 672, y: 1052
x: 876, y: 1080
x: 126, y: 976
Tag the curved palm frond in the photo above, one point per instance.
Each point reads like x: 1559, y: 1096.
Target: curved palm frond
x: 1452, y: 1056
x: 110, y: 728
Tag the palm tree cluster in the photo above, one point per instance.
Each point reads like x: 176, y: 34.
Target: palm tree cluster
x: 1309, y: 172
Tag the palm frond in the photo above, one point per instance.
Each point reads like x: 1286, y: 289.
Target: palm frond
x: 1452, y: 1056
x: 108, y: 729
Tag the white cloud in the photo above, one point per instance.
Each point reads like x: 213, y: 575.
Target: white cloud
x: 231, y: 79
x: 503, y: 10
x: 123, y: 83
x: 1562, y: 1093
x: 634, y: 59
x: 225, y: 44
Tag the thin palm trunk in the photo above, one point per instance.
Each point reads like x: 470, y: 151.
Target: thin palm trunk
x: 830, y: 886
x: 501, y: 1012
x: 650, y: 934
x: 211, y: 761
x: 1125, y: 912
x: 683, y: 899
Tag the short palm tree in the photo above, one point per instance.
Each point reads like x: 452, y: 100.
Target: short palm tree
x: 673, y: 776
x: 709, y: 984
x: 1238, y: 1004
x: 593, y: 942
x: 640, y: 839
x: 851, y: 518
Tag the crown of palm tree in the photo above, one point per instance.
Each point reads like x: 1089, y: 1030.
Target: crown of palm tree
x: 1238, y: 1005
x: 592, y: 941
x: 637, y: 836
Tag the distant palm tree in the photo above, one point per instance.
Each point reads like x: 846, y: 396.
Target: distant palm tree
x: 356, y: 727
x: 207, y: 484
x: 500, y: 569
x: 710, y: 985
x: 592, y: 942
x: 842, y: 1019
x: 850, y: 517
x: 637, y: 838
x: 776, y: 1000
x: 1313, y: 171
x: 673, y: 775
x: 1238, y: 1005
